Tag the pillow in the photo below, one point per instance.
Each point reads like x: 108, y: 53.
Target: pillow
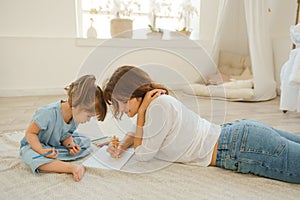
x: 217, y: 78
x: 246, y: 75
x: 247, y: 63
x: 233, y: 64
x: 230, y: 64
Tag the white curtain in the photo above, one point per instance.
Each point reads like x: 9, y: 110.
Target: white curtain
x: 258, y: 33
x: 222, y: 8
x: 260, y: 47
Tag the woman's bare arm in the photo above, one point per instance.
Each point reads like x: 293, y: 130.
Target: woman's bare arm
x: 149, y: 97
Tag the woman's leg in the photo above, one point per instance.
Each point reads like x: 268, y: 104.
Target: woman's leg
x: 64, y: 167
x: 290, y: 136
x: 253, y: 147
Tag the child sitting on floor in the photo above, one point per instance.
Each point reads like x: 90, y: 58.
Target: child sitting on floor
x: 51, y: 138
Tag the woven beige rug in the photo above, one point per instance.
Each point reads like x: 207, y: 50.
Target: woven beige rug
x: 175, y: 181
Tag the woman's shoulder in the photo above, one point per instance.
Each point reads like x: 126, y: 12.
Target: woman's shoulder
x: 165, y: 100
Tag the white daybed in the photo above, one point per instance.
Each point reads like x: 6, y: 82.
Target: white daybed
x: 234, y: 81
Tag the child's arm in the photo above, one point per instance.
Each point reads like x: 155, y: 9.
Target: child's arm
x: 68, y: 142
x: 31, y: 135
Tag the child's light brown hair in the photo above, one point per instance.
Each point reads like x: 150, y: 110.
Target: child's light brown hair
x: 85, y: 93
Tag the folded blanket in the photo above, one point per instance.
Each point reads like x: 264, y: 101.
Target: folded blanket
x: 238, y: 84
x: 229, y: 91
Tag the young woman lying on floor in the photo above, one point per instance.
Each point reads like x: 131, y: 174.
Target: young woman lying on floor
x: 167, y: 130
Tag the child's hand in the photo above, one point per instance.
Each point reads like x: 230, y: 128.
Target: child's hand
x: 53, y: 155
x: 74, y: 149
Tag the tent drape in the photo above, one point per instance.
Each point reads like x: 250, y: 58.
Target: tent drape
x: 222, y: 8
x: 260, y: 50
x: 259, y: 43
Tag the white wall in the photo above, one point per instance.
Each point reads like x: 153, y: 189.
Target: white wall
x: 38, y: 49
x: 39, y: 52
x: 38, y: 18
x: 33, y: 66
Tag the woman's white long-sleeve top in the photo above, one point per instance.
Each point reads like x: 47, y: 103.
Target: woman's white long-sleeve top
x: 174, y: 133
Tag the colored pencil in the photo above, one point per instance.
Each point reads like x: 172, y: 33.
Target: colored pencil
x: 102, y: 138
x: 42, y: 155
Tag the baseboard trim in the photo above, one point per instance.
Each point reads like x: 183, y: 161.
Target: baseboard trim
x: 31, y: 92
x: 56, y: 91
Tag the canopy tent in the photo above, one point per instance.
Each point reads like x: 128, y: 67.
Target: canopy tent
x: 243, y: 27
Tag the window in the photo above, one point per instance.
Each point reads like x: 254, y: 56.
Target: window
x: 168, y: 15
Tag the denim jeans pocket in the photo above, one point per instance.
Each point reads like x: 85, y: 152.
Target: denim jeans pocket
x: 261, y: 140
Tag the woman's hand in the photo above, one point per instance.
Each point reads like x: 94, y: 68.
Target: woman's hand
x: 126, y: 142
x: 115, y: 152
x: 149, y: 97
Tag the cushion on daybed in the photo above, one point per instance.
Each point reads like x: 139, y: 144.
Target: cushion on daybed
x: 238, y: 89
x: 235, y: 80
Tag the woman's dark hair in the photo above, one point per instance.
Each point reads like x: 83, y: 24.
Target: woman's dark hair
x: 127, y: 82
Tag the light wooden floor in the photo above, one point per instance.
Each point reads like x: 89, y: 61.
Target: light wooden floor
x: 16, y: 112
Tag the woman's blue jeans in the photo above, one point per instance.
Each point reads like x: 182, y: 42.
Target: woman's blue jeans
x: 249, y: 146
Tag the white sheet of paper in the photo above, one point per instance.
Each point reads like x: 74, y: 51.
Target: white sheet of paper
x: 102, y: 159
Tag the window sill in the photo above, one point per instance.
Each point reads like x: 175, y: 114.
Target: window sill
x: 129, y: 42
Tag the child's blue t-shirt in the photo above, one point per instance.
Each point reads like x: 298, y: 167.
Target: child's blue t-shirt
x: 53, y: 128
